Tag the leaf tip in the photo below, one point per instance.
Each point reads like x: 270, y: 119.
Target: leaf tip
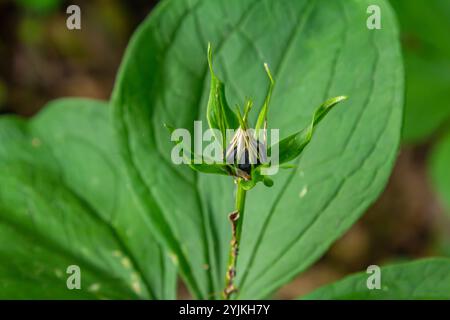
x: 269, y: 74
x: 168, y: 127
x: 247, y: 108
x: 210, y: 56
x: 334, y: 101
x: 339, y: 99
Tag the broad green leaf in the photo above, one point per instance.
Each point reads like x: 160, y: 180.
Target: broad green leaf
x: 316, y: 50
x: 426, y: 50
x: 439, y: 168
x: 292, y: 146
x: 421, y: 279
x: 64, y: 200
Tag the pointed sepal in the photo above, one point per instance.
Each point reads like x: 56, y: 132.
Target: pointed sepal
x: 292, y: 146
x: 219, y: 114
x: 261, y: 122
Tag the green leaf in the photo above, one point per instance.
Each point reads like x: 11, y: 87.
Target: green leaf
x: 421, y: 279
x: 219, y: 113
x: 310, y: 46
x: 439, y: 167
x: 426, y: 50
x: 292, y: 146
x: 64, y: 200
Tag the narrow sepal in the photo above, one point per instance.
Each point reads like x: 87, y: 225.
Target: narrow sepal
x: 219, y: 114
x: 292, y: 146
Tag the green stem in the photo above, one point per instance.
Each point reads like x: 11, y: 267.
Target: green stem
x: 236, y: 219
x: 240, y: 205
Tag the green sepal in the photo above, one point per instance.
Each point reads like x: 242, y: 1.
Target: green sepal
x: 262, y: 117
x: 203, y: 166
x: 219, y: 114
x: 292, y: 146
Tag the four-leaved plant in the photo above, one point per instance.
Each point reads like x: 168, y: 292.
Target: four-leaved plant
x: 246, y: 156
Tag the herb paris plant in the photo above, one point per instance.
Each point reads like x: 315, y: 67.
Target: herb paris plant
x: 246, y: 153
x: 165, y: 78
x: 68, y: 196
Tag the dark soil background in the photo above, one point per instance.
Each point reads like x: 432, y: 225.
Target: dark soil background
x: 42, y: 60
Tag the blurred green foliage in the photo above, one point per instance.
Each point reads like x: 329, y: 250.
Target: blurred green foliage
x: 425, y: 26
x: 440, y: 169
x: 40, y: 6
x: 31, y: 30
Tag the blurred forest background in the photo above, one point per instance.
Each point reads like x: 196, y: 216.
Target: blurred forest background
x: 42, y: 60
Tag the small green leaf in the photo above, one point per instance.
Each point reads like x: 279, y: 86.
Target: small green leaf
x: 256, y: 177
x: 422, y: 279
x: 219, y: 114
x: 292, y: 146
x: 268, y: 182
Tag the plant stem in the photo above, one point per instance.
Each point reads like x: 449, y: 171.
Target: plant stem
x: 236, y: 218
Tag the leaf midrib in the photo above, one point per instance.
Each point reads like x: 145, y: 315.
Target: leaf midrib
x: 299, y: 26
